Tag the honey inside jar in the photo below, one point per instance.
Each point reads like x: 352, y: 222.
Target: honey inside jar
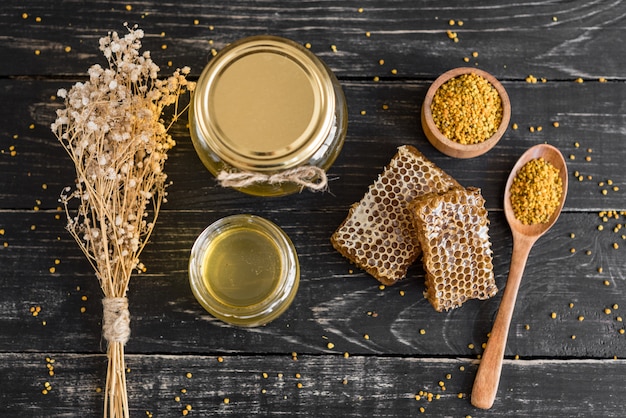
x: 267, y: 110
x: 244, y: 270
x: 241, y: 267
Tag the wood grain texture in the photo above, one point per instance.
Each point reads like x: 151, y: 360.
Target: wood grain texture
x: 336, y: 301
x: 331, y: 386
x: 591, y: 116
x: 513, y: 39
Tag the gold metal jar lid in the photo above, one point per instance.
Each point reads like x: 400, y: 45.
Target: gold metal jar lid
x: 264, y: 103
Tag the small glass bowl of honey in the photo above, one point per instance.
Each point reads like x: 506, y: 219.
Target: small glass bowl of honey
x: 244, y: 270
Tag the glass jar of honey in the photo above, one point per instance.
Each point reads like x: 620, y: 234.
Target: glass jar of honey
x: 266, y: 113
x: 244, y: 270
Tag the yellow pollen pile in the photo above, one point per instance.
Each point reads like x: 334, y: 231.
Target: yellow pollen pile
x: 467, y: 109
x: 536, y: 192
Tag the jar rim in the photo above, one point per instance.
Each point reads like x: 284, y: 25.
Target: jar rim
x: 271, y: 306
x: 240, y: 80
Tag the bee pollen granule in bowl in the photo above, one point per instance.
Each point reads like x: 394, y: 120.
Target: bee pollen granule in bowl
x: 377, y: 234
x: 453, y: 231
x: 536, y: 192
x: 465, y: 112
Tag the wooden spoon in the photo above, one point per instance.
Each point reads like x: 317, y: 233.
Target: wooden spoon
x: 524, y: 236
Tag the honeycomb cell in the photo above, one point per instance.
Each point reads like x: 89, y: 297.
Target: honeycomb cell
x: 408, y: 176
x: 453, y: 230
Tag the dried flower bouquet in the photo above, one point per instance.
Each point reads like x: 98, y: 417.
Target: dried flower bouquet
x: 112, y: 129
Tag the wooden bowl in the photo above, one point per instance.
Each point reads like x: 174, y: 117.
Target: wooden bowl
x: 453, y: 148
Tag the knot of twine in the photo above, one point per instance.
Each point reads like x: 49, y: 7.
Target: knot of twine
x: 116, y: 320
x: 308, y: 176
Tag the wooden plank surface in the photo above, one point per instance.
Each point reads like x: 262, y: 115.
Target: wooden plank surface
x: 319, y: 386
x: 566, y: 365
x: 591, y: 116
x: 336, y: 302
x: 552, y: 39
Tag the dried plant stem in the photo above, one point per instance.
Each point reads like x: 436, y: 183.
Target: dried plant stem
x: 113, y: 131
x: 116, y: 395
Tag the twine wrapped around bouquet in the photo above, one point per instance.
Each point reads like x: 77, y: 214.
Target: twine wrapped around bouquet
x: 113, y: 131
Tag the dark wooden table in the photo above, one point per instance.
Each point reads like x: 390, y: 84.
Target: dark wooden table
x: 567, y: 341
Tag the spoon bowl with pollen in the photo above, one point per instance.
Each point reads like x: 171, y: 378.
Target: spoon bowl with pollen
x: 524, y: 237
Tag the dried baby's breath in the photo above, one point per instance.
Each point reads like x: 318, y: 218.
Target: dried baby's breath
x: 113, y: 130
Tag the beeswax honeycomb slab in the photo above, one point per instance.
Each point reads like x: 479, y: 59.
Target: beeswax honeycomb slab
x: 453, y: 230
x: 378, y: 234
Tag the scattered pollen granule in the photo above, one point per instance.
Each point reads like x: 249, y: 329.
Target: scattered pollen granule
x: 467, y: 109
x: 531, y: 79
x: 452, y: 35
x: 536, y: 192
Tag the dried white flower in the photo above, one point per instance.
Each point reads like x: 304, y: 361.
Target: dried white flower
x: 113, y: 131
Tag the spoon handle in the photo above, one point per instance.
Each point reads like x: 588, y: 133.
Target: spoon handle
x: 488, y: 375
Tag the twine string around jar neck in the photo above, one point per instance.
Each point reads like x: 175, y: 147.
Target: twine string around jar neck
x: 116, y: 320
x: 308, y: 176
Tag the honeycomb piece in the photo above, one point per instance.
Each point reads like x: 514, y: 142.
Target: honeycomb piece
x: 453, y: 230
x: 378, y: 234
